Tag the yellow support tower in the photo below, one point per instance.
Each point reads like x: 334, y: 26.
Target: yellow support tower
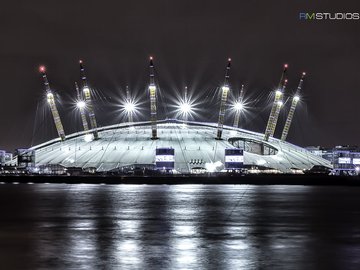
x: 294, y: 102
x: 225, y: 90
x: 271, y: 124
x: 52, y: 105
x: 152, y: 91
x: 81, y: 105
x: 88, y: 100
x: 238, y: 109
x: 279, y: 105
x: 129, y: 101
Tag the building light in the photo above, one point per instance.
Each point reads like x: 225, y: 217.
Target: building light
x: 129, y: 107
x: 238, y: 106
x: 81, y: 104
x: 225, y: 88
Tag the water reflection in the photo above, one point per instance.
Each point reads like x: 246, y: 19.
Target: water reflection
x: 178, y: 227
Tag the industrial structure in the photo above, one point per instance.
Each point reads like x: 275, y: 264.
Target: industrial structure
x: 88, y: 101
x: 152, y: 92
x: 239, y: 106
x: 294, y: 102
x: 170, y: 145
x: 275, y: 109
x: 81, y: 105
x: 52, y: 105
x: 225, y: 90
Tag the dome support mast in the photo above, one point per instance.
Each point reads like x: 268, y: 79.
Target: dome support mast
x: 152, y: 91
x: 238, y: 111
x: 294, y: 102
x: 271, y: 124
x: 225, y: 90
x: 51, y: 101
x: 82, y: 108
x: 129, y: 101
x: 88, y: 100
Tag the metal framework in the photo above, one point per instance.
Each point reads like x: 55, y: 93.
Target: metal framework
x: 186, y: 101
x: 238, y: 112
x: 89, y: 103
x: 294, y: 102
x: 128, y: 100
x: 224, y: 95
x: 279, y: 105
x: 52, y: 104
x: 273, y: 117
x: 152, y: 91
x: 81, y: 109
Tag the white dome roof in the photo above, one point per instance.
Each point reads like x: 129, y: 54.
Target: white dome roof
x: 194, y: 145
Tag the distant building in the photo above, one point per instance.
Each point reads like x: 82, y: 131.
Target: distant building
x: 5, y: 157
x: 345, y: 159
x: 25, y: 158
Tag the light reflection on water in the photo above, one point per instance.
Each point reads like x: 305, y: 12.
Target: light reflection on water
x: 178, y: 227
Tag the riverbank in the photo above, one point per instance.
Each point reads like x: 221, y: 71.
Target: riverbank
x: 280, y: 179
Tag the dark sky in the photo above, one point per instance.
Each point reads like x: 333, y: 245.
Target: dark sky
x: 190, y: 41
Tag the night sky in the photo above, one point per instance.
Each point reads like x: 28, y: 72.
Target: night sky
x: 190, y: 42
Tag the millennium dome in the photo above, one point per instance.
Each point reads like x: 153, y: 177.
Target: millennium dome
x: 194, y: 144
x: 179, y: 146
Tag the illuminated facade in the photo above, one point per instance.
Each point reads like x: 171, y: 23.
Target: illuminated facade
x: 195, y: 149
x: 344, y: 159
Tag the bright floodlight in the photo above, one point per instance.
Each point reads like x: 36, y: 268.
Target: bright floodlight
x: 129, y: 107
x: 278, y: 92
x: 185, y: 108
x: 297, y: 98
x: 50, y: 97
x: 238, y: 106
x: 225, y: 88
x: 280, y: 103
x: 88, y: 137
x: 81, y: 104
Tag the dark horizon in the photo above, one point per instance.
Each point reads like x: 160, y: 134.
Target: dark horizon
x: 190, y: 43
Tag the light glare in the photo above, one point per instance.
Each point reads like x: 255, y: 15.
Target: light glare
x: 88, y: 137
x: 225, y: 88
x: 81, y: 104
x: 129, y: 107
x: 185, y: 108
x: 238, y: 106
x: 212, y: 166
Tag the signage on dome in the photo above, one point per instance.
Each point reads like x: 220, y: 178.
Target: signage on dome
x: 234, y: 158
x: 165, y: 158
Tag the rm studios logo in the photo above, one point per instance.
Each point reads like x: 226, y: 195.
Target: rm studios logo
x: 313, y: 16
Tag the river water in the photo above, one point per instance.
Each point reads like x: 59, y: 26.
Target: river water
x: 61, y: 226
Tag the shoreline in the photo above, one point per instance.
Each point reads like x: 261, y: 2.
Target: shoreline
x: 308, y: 180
